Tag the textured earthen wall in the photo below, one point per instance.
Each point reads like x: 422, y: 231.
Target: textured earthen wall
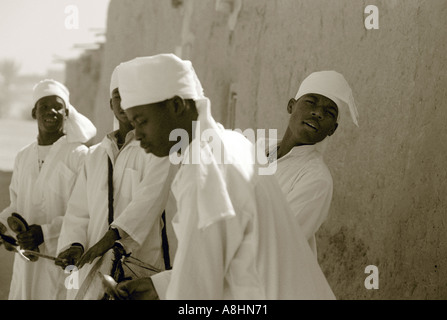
x: 82, y: 80
x: 389, y: 200
x: 133, y: 29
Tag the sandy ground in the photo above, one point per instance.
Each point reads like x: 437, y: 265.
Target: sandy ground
x: 6, y: 257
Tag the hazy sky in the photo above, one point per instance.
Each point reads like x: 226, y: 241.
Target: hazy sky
x: 34, y: 32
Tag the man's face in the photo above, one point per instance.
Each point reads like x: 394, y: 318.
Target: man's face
x: 49, y: 112
x: 313, y: 117
x: 115, y: 104
x: 153, y: 124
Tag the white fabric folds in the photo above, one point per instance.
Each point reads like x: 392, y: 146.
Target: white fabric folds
x: 113, y: 86
x: 153, y: 79
x: 114, y: 81
x: 146, y: 80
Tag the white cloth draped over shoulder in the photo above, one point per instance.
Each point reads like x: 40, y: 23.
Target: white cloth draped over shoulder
x: 140, y: 196
x: 237, y: 238
x: 41, y: 198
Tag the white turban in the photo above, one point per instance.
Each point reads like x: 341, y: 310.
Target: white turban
x: 113, y: 86
x: 78, y: 127
x: 332, y: 85
x: 114, y: 81
x: 153, y: 79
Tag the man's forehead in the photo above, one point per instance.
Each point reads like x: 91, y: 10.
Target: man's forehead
x: 145, y: 110
x: 138, y: 111
x: 48, y: 99
x: 323, y: 99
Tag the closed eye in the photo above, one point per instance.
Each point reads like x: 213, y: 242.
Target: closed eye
x: 140, y: 122
x: 331, y: 114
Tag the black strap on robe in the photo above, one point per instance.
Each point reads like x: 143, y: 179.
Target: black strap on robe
x: 110, y: 183
x: 164, y: 243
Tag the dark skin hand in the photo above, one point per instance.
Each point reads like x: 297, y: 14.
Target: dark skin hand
x: 69, y: 257
x: 99, y: 249
x: 30, y: 239
x: 8, y: 246
x: 2, y: 228
x: 138, y: 289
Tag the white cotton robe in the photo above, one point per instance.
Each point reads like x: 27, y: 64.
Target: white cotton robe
x: 237, y: 238
x: 41, y: 198
x: 307, y: 183
x: 141, y: 188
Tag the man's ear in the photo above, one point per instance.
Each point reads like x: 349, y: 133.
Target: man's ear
x: 176, y: 105
x: 290, y: 105
x: 333, y: 130
x: 33, y: 113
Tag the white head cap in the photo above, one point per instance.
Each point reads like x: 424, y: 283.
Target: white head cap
x: 153, y: 79
x: 78, y: 127
x: 49, y: 87
x: 114, y: 80
x: 332, y: 85
x: 113, y: 86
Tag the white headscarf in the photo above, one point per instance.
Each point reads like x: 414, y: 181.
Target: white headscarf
x: 113, y: 86
x: 114, y: 81
x: 148, y: 80
x: 77, y: 127
x: 153, y: 79
x: 334, y: 86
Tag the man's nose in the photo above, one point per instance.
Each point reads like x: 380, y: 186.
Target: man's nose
x: 318, y: 113
x: 51, y: 112
x: 138, y: 134
x: 55, y: 111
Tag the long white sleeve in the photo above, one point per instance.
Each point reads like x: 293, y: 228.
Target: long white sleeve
x: 144, y: 211
x: 76, y: 219
x: 310, y: 200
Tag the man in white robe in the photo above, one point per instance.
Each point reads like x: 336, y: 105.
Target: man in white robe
x: 300, y: 168
x: 141, y: 185
x: 236, y: 236
x: 43, y: 178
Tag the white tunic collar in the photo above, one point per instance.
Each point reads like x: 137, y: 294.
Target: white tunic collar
x: 298, y: 151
